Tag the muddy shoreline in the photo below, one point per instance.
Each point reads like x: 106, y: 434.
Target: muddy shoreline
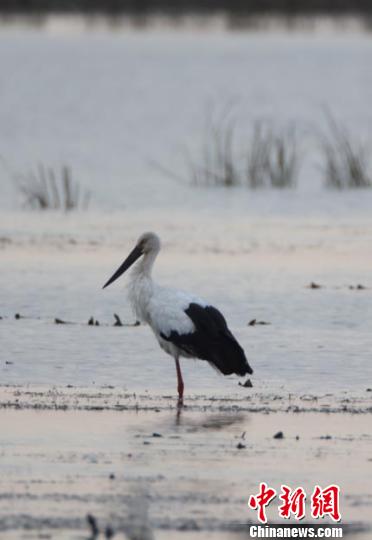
x: 136, y: 463
x: 109, y: 398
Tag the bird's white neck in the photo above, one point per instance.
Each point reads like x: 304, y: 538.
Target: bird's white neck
x: 143, y: 267
x: 141, y: 286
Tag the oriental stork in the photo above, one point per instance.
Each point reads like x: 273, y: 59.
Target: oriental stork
x: 183, y: 324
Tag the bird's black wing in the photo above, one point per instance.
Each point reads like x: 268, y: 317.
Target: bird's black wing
x: 211, y: 341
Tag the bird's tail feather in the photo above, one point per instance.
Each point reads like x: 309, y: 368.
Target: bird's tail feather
x: 230, y: 358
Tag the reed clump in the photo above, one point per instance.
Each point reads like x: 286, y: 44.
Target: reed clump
x: 48, y: 189
x: 218, y: 165
x: 345, y: 161
x: 271, y: 159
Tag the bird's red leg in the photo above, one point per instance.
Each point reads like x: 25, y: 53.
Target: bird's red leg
x: 180, y: 385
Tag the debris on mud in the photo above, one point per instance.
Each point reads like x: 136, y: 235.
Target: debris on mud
x: 358, y: 287
x: 117, y: 320
x: 240, y: 446
x: 254, y: 322
x: 279, y: 435
x: 91, y: 321
x: 109, y: 533
x: 60, y: 321
x: 314, y: 285
x: 92, y: 523
x: 246, y: 384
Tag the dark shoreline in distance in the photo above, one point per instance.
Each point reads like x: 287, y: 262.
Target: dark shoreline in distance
x: 354, y: 21
x: 179, y: 8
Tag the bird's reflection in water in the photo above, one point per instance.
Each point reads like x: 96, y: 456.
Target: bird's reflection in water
x: 204, y: 421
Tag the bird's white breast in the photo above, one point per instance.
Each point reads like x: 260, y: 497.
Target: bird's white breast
x: 140, y: 291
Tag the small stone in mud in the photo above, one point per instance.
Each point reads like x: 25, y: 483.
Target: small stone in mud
x: 17, y: 316
x: 8, y: 362
x: 240, y: 446
x: 297, y: 437
x: 146, y: 442
x: 358, y: 287
x: 252, y: 322
x: 246, y: 384
x: 112, y: 476
x: 314, y: 285
x: 137, y: 323
x: 279, y: 435
x: 59, y: 321
x: 369, y: 390
x: 157, y: 434
x: 326, y: 437
x: 96, y: 323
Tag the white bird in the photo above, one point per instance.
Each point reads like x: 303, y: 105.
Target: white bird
x: 184, y: 325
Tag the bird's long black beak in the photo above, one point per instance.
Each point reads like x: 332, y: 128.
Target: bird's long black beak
x: 132, y: 257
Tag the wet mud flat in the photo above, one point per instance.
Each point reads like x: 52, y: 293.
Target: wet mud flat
x: 144, y: 469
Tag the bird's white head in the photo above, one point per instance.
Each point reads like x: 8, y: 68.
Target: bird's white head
x: 148, y: 242
x: 148, y: 245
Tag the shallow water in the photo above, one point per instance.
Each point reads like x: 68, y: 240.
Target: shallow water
x: 161, y: 460
x: 111, y: 104
x: 318, y: 340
